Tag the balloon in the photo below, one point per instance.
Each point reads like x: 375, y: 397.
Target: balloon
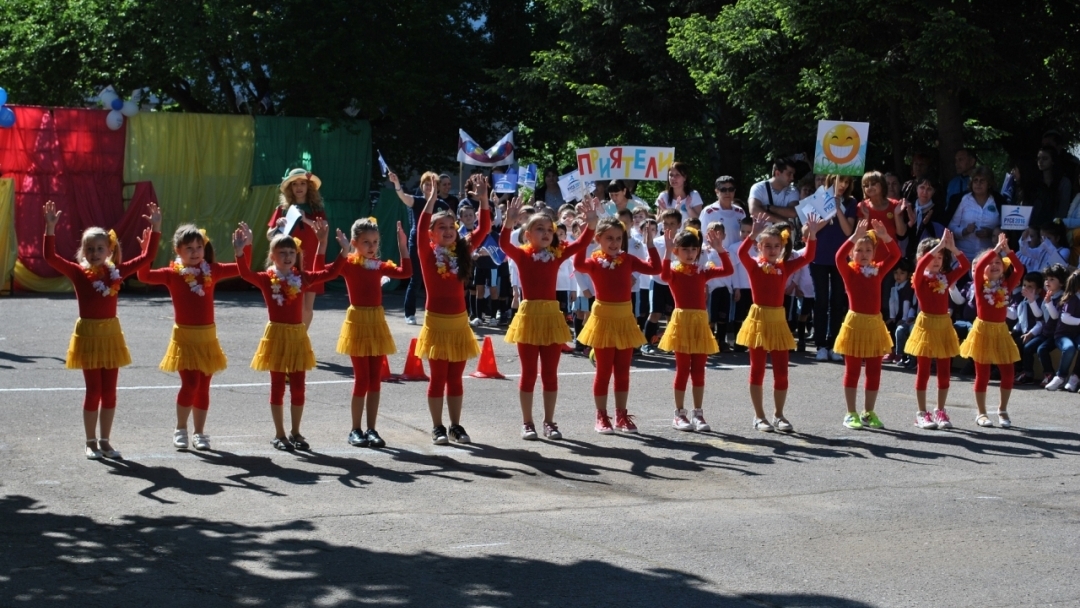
x: 116, y: 104
x: 130, y: 108
x: 7, y: 118
x: 114, y: 120
x: 107, y: 96
x: 3, y: 96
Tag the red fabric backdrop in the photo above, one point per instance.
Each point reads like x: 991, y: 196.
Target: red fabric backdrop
x: 70, y: 157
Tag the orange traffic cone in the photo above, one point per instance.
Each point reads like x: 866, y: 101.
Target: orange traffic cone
x: 414, y: 367
x: 487, y: 368
x: 385, y: 375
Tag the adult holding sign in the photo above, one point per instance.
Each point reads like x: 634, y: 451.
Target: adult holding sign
x: 830, y: 302
x: 299, y: 206
x: 679, y: 194
x: 977, y: 220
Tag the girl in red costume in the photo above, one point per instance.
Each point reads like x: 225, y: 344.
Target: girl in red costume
x: 765, y: 331
x: 97, y: 346
x: 688, y: 334
x: 933, y: 337
x: 612, y: 330
x: 446, y: 340
x: 193, y: 350
x: 863, y: 337
x: 285, y: 349
x: 989, y: 342
x: 300, y: 189
x: 365, y: 337
x: 539, y: 327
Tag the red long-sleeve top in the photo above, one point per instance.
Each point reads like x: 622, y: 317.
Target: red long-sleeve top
x: 189, y: 308
x: 614, y: 285
x: 689, y: 289
x: 538, y: 278
x: 365, y: 286
x: 768, y: 288
x: 864, y: 292
x: 984, y: 310
x: 933, y: 296
x: 93, y: 305
x: 445, y: 296
x: 292, y: 311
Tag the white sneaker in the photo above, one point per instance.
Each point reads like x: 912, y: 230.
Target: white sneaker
x: 698, y: 420
x: 474, y: 321
x: 180, y: 438
x: 924, y: 420
x: 410, y: 320
x: 835, y: 356
x: 1073, y: 384
x: 680, y: 423
x: 1055, y: 384
x: 201, y: 441
x: 822, y: 354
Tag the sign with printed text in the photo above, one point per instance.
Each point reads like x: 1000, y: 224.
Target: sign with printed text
x: 506, y: 183
x: 841, y: 147
x: 821, y: 203
x: 572, y: 186
x: 1015, y: 217
x: 624, y: 162
x: 527, y: 178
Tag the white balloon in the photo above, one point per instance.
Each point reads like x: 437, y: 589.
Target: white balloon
x: 114, y: 120
x: 130, y: 108
x: 107, y: 96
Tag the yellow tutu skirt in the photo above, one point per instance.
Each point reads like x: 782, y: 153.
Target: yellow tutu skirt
x: 97, y: 344
x: 365, y: 333
x: 864, y: 336
x: 612, y: 326
x: 688, y: 332
x: 933, y: 336
x: 989, y: 343
x: 194, y: 347
x: 446, y: 338
x: 284, y: 347
x: 538, y: 322
x: 765, y: 327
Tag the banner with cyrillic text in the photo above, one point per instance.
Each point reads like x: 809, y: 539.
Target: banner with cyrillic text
x: 624, y: 162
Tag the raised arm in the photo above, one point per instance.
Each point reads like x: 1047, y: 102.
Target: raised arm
x: 406, y: 198
x: 242, y: 251
x: 151, y: 237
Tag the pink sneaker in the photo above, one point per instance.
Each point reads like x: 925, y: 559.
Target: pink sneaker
x: 624, y: 422
x: 603, y: 423
x: 681, y: 422
x: 942, y: 419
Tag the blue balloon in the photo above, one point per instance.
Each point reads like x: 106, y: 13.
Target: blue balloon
x: 3, y: 96
x: 7, y: 118
x: 117, y: 104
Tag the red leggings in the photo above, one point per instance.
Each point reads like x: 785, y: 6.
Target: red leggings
x: 689, y: 366
x: 612, y: 361
x: 445, y: 375
x: 367, y: 375
x: 982, y: 376
x: 549, y: 366
x: 100, y: 388
x: 922, y: 373
x: 194, y: 389
x: 779, y: 367
x: 296, y: 388
x: 852, y: 368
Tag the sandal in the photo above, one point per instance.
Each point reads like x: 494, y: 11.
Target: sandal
x: 299, y: 442
x: 283, y: 444
x: 763, y: 425
x: 983, y: 420
x: 1003, y: 420
x: 782, y: 425
x: 112, y: 454
x: 92, y: 453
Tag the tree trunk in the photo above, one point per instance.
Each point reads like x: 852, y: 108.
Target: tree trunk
x: 950, y: 127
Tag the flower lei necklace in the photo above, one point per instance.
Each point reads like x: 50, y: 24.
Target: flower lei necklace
x: 190, y: 275
x: 96, y: 276
x: 995, y: 293
x: 446, y: 263
x: 768, y: 267
x: 290, y: 284
x: 369, y: 264
x: 937, y: 281
x: 870, y: 270
x: 607, y: 261
x: 684, y: 268
x: 547, y: 254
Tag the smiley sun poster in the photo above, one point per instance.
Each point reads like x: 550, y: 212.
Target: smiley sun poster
x: 841, y: 147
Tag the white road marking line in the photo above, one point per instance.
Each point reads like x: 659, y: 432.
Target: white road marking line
x: 173, y: 387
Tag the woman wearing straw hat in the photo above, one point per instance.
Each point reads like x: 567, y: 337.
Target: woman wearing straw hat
x: 300, y: 188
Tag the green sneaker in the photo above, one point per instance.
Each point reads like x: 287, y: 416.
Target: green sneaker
x: 852, y: 421
x: 871, y: 420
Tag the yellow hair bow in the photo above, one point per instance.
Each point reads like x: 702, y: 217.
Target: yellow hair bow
x: 205, y: 237
x: 112, y: 239
x: 785, y: 234
x: 297, y: 241
x: 1006, y: 262
x: 872, y: 236
x: 373, y: 220
x: 693, y: 231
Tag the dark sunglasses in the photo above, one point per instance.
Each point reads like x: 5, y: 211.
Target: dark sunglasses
x: 727, y: 189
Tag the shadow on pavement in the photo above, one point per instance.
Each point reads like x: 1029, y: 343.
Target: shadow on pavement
x: 53, y: 559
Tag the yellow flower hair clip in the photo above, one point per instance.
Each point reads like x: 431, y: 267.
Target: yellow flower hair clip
x: 693, y: 231
x: 112, y: 239
x: 785, y: 234
x: 872, y: 236
x: 1006, y: 262
x: 205, y: 237
x: 373, y: 220
x: 297, y: 240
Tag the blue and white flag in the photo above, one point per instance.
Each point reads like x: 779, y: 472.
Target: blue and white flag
x: 382, y: 164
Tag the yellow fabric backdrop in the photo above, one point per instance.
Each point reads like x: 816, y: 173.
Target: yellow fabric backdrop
x: 9, y: 247
x: 200, y: 165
